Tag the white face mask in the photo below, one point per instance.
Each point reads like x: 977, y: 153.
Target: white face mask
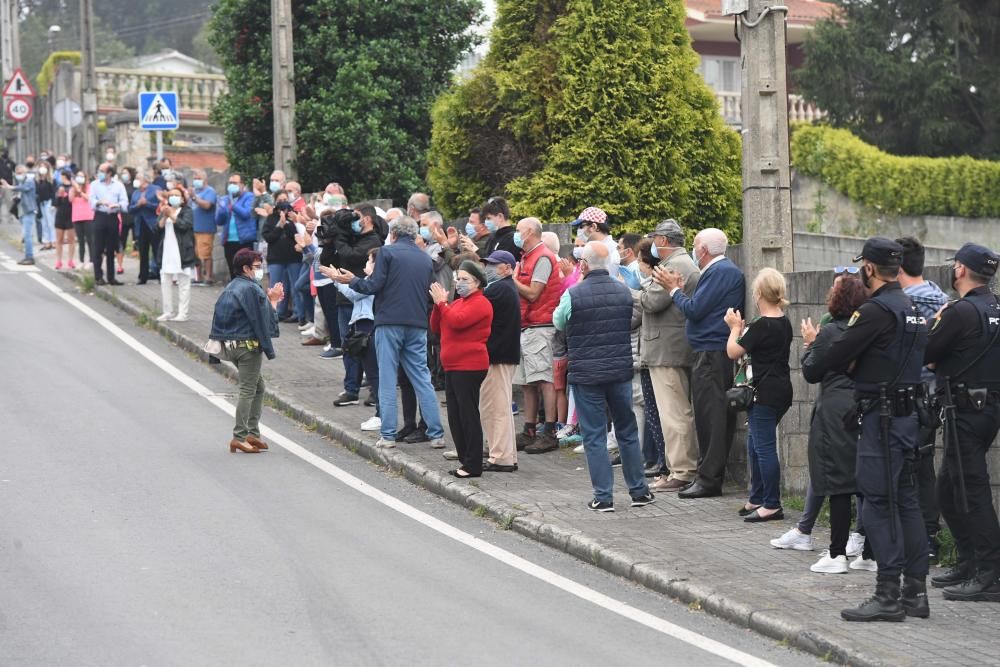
x: 60, y: 164
x: 80, y: 180
x: 43, y: 171
x: 258, y: 275
x: 110, y: 157
x: 136, y: 184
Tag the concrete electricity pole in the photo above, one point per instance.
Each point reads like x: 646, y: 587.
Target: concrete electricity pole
x: 283, y: 84
x: 88, y: 89
x: 767, y: 202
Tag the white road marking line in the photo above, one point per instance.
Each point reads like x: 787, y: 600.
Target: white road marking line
x: 482, y: 546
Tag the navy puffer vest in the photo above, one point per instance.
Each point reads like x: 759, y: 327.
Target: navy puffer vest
x: 598, y: 332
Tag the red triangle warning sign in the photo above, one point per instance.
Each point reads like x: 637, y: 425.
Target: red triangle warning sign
x: 18, y: 85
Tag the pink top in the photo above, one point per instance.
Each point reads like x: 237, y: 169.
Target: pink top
x: 572, y: 278
x: 81, y: 206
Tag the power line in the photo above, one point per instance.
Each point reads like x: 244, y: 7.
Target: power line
x: 133, y: 30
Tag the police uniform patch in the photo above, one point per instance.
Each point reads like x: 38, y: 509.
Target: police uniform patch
x: 854, y: 318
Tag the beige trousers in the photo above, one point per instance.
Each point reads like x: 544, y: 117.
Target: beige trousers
x: 495, y: 397
x: 672, y: 388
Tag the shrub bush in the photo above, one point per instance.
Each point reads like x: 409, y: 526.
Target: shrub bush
x: 580, y: 104
x: 959, y: 186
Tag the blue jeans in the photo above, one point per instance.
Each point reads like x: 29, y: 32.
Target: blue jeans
x: 592, y: 403
x: 352, y: 367
x: 286, y: 274
x: 48, y: 223
x: 762, y: 452
x: 304, y: 304
x: 28, y: 229
x: 397, y: 346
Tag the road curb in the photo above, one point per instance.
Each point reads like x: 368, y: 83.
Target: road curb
x: 770, y: 622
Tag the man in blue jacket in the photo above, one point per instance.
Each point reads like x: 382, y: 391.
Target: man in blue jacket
x: 720, y: 287
x: 401, y: 282
x: 145, y: 201
x: 234, y: 213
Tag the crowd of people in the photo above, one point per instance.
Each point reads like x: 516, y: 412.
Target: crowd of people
x: 635, y: 351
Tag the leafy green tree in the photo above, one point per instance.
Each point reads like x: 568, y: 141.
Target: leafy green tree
x: 366, y: 74
x: 914, y: 77
x: 581, y: 103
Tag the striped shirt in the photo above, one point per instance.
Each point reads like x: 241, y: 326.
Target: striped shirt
x: 928, y: 298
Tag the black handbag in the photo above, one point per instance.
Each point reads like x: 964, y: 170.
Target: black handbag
x: 356, y: 344
x: 741, y: 396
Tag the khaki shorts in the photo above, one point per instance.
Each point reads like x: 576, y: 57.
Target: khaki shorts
x: 536, y: 356
x: 203, y: 242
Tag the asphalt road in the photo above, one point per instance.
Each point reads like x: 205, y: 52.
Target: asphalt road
x: 129, y: 535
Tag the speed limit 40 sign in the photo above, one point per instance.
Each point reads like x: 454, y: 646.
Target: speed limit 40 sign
x: 19, y: 109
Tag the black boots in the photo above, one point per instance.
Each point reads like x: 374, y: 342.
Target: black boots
x: 983, y: 587
x: 883, y: 606
x: 954, y: 575
x: 914, y: 597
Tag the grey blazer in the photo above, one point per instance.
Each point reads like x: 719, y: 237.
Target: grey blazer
x: 662, y: 341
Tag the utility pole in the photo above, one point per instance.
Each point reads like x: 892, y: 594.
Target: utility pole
x: 767, y: 202
x: 88, y: 90
x: 283, y: 85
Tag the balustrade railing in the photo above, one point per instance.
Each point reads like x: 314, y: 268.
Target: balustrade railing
x: 798, y: 109
x: 195, y: 92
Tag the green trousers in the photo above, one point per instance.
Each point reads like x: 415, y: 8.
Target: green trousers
x: 251, y: 398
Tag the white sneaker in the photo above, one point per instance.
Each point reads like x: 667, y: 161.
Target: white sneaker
x: 164, y: 317
x: 372, y: 424
x: 794, y: 539
x: 382, y: 443
x: 450, y: 455
x: 612, y: 442
x: 179, y: 318
x: 311, y: 331
x: 565, y: 431
x: 855, y: 544
x: 437, y: 443
x: 827, y: 565
x: 305, y: 325
x: 860, y: 563
x: 578, y: 449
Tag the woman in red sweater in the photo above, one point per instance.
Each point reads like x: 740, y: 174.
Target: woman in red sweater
x: 464, y: 325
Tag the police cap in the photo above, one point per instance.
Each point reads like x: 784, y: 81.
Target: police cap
x: 978, y: 258
x: 881, y: 251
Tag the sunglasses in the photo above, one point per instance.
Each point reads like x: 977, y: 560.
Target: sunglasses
x: 847, y: 269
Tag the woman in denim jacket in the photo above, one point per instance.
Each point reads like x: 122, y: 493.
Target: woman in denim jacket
x: 245, y: 323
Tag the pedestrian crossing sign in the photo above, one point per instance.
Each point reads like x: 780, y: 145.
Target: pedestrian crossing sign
x: 158, y: 110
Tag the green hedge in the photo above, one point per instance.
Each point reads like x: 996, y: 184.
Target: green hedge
x: 959, y: 186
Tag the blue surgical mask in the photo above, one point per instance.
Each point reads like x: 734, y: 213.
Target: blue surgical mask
x: 518, y: 241
x: 356, y: 226
x: 425, y: 233
x: 655, y: 250
x: 101, y: 176
x: 491, y: 273
x: 275, y: 186
x: 491, y: 226
x: 463, y: 288
x: 198, y: 184
x: 174, y: 200
x: 694, y: 256
x: 470, y: 229
x: 233, y: 189
x: 578, y: 252
x: 19, y: 177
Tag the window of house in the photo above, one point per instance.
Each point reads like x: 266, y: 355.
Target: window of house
x: 721, y: 73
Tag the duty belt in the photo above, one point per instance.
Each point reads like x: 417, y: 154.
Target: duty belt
x: 974, y: 398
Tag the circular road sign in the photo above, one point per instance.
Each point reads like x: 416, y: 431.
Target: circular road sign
x: 19, y: 110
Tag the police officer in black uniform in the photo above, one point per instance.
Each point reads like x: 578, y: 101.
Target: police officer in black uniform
x: 964, y: 344
x: 882, y: 349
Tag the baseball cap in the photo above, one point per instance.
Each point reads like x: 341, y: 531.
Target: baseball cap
x: 882, y: 251
x: 590, y: 214
x: 501, y: 257
x: 977, y: 258
x: 669, y: 229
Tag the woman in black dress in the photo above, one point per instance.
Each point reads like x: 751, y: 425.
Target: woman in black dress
x: 65, y: 233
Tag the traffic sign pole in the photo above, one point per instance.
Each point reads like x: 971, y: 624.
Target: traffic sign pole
x: 159, y: 145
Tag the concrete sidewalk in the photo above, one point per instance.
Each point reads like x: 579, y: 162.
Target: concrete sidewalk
x: 697, y: 551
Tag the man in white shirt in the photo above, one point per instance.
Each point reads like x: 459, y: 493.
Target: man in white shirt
x: 108, y: 199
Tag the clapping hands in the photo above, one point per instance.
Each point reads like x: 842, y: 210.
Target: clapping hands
x: 276, y: 294
x: 733, y: 319
x: 438, y: 293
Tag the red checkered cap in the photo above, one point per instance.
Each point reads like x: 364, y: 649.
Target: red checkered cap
x: 593, y: 214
